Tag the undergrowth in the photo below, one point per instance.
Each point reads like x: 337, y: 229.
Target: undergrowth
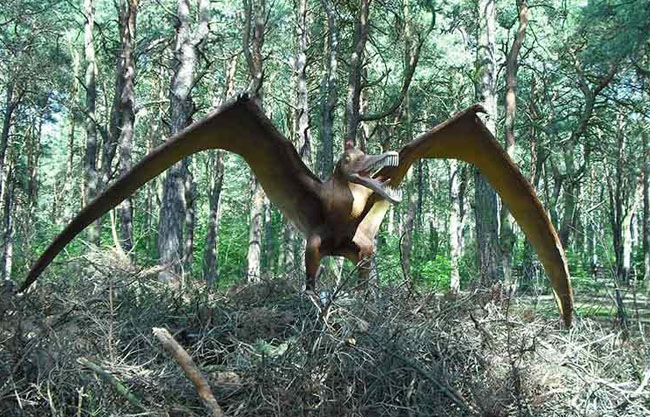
x: 267, y: 349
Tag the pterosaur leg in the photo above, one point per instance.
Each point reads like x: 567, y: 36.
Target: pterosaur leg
x: 312, y: 261
x: 364, y: 256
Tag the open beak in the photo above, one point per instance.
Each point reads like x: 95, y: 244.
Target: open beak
x: 371, y: 165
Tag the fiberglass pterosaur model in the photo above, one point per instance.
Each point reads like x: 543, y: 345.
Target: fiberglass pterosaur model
x: 342, y: 215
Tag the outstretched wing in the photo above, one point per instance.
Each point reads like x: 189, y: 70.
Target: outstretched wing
x: 239, y: 126
x: 465, y: 137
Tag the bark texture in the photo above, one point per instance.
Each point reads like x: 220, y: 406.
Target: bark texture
x: 254, y: 24
x: 455, y: 224
x: 12, y: 101
x: 184, y: 360
x: 507, y: 235
x: 301, y: 130
x: 173, y: 209
x: 211, y: 247
x: 354, y: 78
x: 485, y: 205
x: 216, y: 164
x: 128, y: 14
x: 646, y: 210
x: 8, y: 203
x: 328, y: 93
x: 91, y: 177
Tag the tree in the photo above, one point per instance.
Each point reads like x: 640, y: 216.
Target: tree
x: 485, y: 205
x: 328, y: 93
x: 178, y: 183
x: 128, y: 12
x: 91, y: 177
x: 253, y: 53
x: 216, y: 169
x: 506, y: 234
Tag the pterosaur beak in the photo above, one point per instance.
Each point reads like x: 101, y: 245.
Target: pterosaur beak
x: 370, y: 166
x: 391, y: 194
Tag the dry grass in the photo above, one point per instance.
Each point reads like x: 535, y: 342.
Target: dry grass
x: 267, y: 350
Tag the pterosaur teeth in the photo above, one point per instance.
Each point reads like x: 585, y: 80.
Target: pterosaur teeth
x: 392, y: 160
x: 394, y: 194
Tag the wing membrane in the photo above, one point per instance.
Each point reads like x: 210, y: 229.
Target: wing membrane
x: 466, y: 138
x: 239, y: 126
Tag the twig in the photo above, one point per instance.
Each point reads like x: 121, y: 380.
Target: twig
x: 451, y: 393
x: 119, y: 387
x: 188, y: 366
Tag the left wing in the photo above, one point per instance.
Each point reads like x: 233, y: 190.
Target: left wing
x: 238, y: 126
x: 466, y: 138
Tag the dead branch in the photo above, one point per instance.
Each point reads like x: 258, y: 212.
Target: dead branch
x: 119, y: 387
x: 191, y: 371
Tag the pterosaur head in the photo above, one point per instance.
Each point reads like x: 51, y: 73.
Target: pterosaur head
x: 359, y: 168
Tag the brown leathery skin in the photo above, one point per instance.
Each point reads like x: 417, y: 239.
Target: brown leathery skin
x: 238, y: 126
x: 323, y: 211
x: 466, y: 138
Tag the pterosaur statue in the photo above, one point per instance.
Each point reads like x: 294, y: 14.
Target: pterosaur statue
x: 342, y: 215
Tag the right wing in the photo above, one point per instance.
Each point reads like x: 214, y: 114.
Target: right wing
x: 466, y: 138
x: 238, y: 126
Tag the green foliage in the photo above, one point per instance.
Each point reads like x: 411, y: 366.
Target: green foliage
x: 434, y: 273
x: 41, y: 55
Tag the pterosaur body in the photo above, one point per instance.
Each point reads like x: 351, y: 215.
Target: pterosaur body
x: 342, y: 215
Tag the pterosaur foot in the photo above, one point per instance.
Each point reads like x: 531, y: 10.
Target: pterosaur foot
x: 365, y: 267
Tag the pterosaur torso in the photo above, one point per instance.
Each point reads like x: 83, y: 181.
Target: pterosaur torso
x: 340, y: 216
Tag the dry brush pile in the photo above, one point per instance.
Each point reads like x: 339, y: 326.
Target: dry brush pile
x: 85, y: 347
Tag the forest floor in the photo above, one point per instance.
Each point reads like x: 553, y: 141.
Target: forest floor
x: 601, y: 306
x: 85, y: 347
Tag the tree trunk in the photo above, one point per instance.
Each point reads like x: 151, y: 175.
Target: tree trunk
x: 67, y: 195
x: 6, y: 126
x: 211, y: 247
x: 646, y: 210
x: 569, y: 194
x: 33, y: 154
x: 128, y: 14
x: 189, y: 222
x: 216, y: 169
x: 11, y: 103
x: 254, y: 256
x: 455, y: 225
x: 536, y: 164
x: 573, y: 174
x: 6, y: 261
x: 328, y: 94
x: 413, y: 199
x: 354, y: 77
x: 623, y: 201
x: 173, y: 210
x: 154, y: 188
x: 90, y: 158
x: 300, y: 132
x: 485, y: 207
x: 303, y: 136
x: 253, y: 53
x: 68, y: 211
x: 626, y: 236
x: 268, y: 258
x: 406, y: 243
x: 507, y: 236
x: 111, y: 137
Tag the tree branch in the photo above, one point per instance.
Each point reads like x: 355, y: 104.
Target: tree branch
x: 190, y: 369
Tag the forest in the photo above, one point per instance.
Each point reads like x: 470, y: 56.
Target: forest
x: 188, y: 297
